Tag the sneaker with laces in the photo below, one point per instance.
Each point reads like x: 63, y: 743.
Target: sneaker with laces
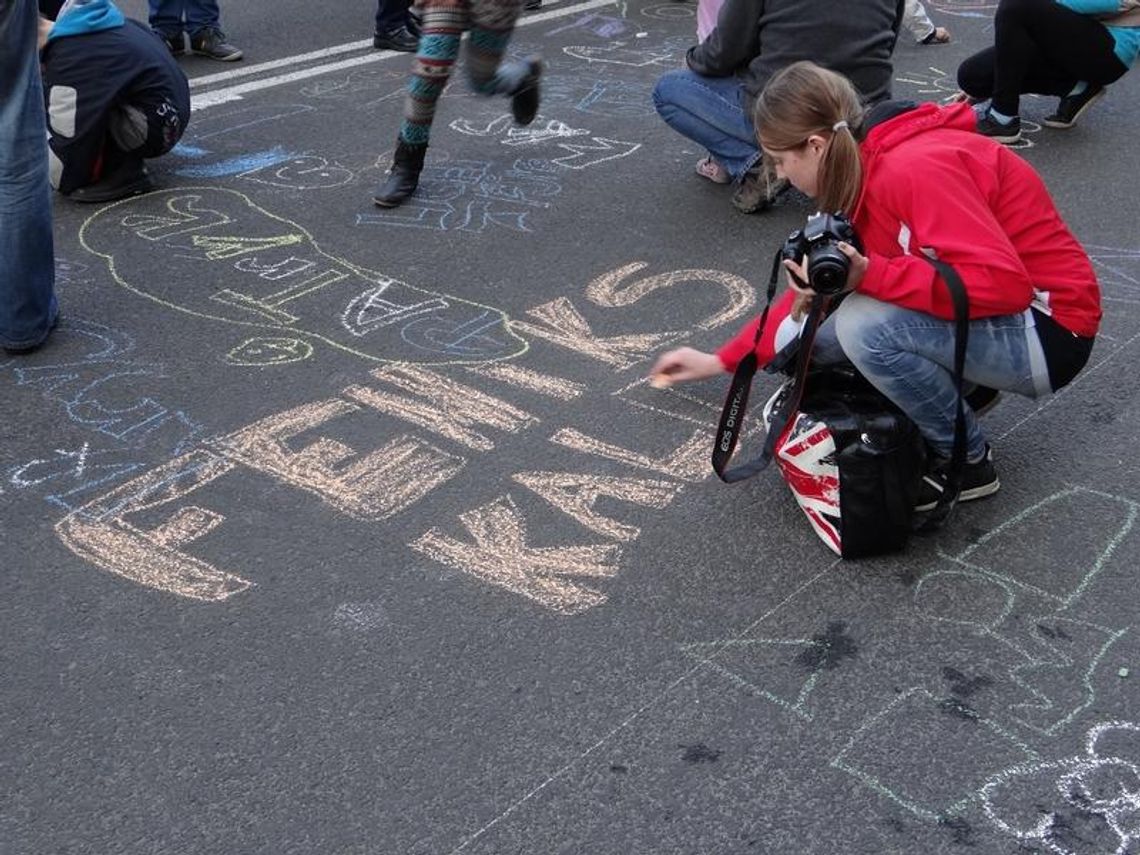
x: 1072, y: 107
x: 758, y: 189
x: 1005, y: 133
x: 979, y: 479
x: 211, y: 42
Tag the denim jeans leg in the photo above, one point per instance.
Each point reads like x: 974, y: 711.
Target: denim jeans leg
x: 709, y: 111
x: 166, y: 17
x: 909, y: 357
x: 27, y: 257
x: 202, y: 15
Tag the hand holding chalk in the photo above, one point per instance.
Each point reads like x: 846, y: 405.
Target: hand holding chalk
x: 682, y: 365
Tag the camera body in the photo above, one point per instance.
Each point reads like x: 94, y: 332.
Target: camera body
x: 827, y: 267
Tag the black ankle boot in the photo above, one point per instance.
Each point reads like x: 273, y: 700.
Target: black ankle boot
x: 403, y: 177
x: 524, y: 100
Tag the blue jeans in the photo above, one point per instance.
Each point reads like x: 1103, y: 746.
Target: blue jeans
x: 709, y: 111
x: 173, y: 17
x: 27, y: 255
x: 909, y: 357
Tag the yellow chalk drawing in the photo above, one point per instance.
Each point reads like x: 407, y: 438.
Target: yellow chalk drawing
x: 101, y: 533
x: 605, y: 291
x: 563, y: 324
x: 498, y: 553
x: 575, y: 495
x: 269, y: 351
x: 689, y: 462
x: 442, y: 405
x: 532, y: 381
x: 244, y: 266
x: 375, y: 487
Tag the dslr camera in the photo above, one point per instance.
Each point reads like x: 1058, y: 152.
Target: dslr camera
x: 827, y: 267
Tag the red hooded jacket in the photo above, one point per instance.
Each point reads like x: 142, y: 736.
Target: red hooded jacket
x: 931, y: 183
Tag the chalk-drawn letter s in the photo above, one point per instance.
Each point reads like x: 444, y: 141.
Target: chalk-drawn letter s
x: 226, y: 259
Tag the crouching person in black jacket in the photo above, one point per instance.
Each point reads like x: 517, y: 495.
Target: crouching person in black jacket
x: 115, y: 96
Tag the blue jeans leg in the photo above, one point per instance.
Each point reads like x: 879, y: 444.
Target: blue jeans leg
x: 166, y: 17
x: 909, y: 357
x: 27, y: 256
x: 709, y: 111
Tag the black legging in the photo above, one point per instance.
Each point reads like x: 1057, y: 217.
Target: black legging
x: 1043, y: 47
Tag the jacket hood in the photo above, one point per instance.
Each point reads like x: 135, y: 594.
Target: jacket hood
x: 895, y: 122
x: 85, y: 16
x: 891, y: 123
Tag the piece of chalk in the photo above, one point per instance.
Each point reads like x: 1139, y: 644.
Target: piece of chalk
x: 660, y: 381
x: 642, y: 35
x: 1123, y: 672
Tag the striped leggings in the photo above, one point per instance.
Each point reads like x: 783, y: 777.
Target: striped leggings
x: 491, y: 23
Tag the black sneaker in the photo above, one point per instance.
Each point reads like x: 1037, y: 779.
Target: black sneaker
x: 129, y: 179
x: 211, y: 42
x: 1007, y: 133
x: 982, y: 399
x: 175, y: 44
x: 400, y: 39
x: 532, y: 5
x: 758, y: 189
x: 1072, y: 107
x: 979, y: 480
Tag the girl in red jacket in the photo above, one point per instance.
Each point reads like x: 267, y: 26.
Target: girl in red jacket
x: 919, y: 179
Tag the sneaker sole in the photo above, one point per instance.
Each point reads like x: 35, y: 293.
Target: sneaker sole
x: 229, y: 57
x: 1009, y: 139
x: 966, y: 495
x: 1058, y: 124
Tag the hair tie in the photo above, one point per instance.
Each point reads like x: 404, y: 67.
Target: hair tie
x: 838, y: 126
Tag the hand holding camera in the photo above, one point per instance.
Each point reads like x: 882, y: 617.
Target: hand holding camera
x: 824, y: 257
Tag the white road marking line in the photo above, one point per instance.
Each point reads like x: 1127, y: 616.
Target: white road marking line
x: 234, y: 93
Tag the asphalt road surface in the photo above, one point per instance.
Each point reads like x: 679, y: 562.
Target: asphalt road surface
x: 330, y: 530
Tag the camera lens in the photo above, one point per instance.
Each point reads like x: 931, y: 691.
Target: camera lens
x: 827, y: 270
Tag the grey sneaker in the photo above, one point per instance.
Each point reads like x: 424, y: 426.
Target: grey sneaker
x: 212, y: 43
x: 1072, y: 107
x: 758, y: 189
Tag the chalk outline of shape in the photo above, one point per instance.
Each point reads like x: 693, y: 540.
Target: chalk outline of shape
x: 349, y: 175
x: 797, y: 708
x: 1099, y: 253
x: 1097, y: 567
x: 580, y: 150
x: 302, y: 354
x: 593, y: 53
x: 364, y: 273
x: 676, y: 12
x: 1072, y: 766
x: 869, y: 780
x: 1061, y: 661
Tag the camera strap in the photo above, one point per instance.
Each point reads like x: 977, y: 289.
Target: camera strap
x: 736, y: 404
x: 938, y: 514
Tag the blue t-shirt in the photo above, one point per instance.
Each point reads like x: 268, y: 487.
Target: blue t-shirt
x: 1127, y: 39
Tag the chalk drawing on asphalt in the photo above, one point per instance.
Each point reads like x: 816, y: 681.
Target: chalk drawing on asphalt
x: 287, y: 284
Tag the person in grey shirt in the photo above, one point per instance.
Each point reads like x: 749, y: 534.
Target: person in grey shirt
x: 710, y: 101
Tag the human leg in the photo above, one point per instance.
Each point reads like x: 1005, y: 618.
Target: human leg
x: 392, y: 32
x: 492, y: 22
x: 1046, y: 48
x: 28, y: 308
x: 443, y: 24
x: 710, y: 111
x: 204, y: 26
x: 909, y: 357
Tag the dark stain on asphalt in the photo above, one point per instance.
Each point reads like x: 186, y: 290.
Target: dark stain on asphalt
x: 963, y: 686
x: 699, y: 753
x: 962, y: 833
x: 829, y: 649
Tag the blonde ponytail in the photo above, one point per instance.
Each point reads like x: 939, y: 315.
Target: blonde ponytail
x: 804, y: 100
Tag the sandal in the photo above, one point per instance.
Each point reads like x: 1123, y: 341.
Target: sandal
x: 713, y: 171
